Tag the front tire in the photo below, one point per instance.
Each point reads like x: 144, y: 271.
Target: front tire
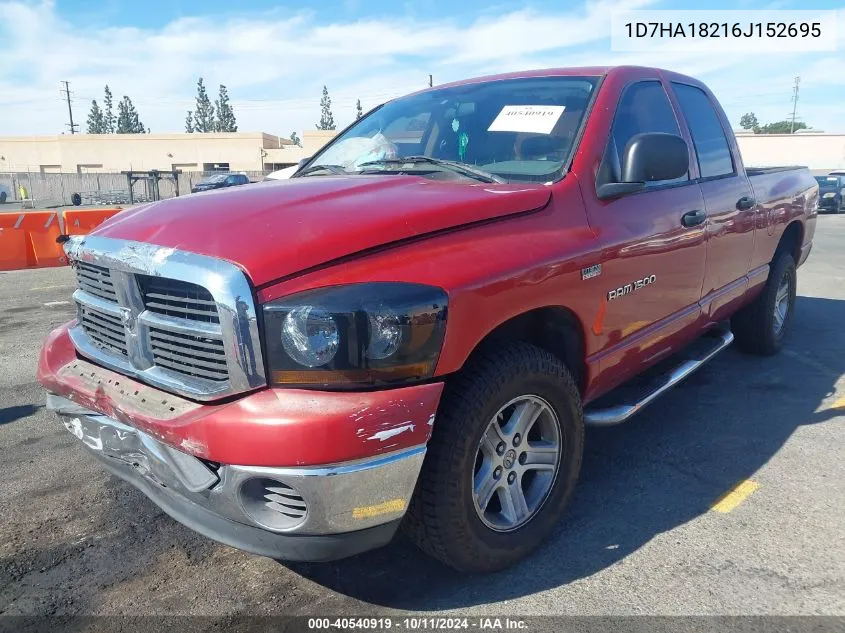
x: 502, y: 462
x: 760, y: 327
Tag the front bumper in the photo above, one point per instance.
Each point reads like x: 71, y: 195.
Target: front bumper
x: 829, y: 204
x: 314, y: 513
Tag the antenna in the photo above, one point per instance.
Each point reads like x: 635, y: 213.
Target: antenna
x: 66, y: 91
x: 794, y: 104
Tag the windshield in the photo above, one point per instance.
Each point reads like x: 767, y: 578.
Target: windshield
x: 215, y: 178
x: 827, y: 181
x: 515, y: 129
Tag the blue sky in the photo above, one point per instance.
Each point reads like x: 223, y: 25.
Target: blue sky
x: 275, y: 58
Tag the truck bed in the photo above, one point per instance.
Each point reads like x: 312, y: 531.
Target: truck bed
x: 758, y: 171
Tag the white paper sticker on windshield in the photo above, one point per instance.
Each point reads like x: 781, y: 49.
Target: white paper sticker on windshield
x: 526, y: 118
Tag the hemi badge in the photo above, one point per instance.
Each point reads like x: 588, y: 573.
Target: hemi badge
x: 591, y: 271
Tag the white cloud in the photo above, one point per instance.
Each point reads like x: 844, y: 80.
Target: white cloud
x: 275, y: 64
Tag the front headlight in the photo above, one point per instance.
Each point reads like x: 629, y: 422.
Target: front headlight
x: 355, y: 335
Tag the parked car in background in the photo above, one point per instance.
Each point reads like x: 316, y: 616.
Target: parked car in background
x: 219, y: 181
x: 5, y: 194
x: 832, y: 192
x: 417, y: 326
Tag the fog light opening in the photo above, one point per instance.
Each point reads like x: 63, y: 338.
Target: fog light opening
x: 273, y: 504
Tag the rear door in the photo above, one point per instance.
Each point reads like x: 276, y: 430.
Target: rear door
x: 728, y: 201
x: 652, y: 265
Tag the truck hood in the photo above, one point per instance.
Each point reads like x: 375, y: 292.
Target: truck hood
x: 276, y: 229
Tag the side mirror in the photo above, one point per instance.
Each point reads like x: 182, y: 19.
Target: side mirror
x: 648, y: 157
x: 653, y: 157
x: 302, y: 161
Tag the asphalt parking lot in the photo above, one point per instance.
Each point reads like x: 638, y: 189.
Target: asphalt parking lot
x: 640, y: 537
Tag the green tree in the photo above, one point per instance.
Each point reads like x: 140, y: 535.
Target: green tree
x: 204, y: 112
x: 781, y: 127
x: 96, y: 122
x: 749, y: 122
x: 326, y: 116
x: 108, y: 113
x: 359, y: 112
x: 189, y: 123
x: 128, y: 121
x: 295, y: 139
x: 225, y: 115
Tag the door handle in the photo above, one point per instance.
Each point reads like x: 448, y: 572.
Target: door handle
x: 693, y: 218
x: 745, y: 203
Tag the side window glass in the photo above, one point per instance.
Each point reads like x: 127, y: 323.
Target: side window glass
x: 644, y: 107
x: 708, y: 136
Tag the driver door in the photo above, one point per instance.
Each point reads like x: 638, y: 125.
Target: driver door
x: 652, y: 265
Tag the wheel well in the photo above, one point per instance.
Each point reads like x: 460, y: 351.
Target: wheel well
x: 554, y: 329
x: 790, y: 241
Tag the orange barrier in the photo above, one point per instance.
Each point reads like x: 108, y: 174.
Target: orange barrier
x: 28, y: 240
x: 83, y: 221
x: 15, y: 251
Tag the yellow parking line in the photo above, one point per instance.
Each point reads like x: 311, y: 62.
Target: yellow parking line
x: 733, y: 497
x: 839, y: 404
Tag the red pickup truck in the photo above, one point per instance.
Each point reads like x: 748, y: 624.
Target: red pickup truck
x: 418, y: 325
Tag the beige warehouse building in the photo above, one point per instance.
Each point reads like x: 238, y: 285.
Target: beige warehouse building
x: 260, y: 152
x: 111, y: 153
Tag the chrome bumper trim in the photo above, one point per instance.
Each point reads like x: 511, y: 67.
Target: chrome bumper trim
x: 340, y: 498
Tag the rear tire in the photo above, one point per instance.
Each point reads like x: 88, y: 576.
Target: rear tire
x: 496, y: 394
x: 760, y: 327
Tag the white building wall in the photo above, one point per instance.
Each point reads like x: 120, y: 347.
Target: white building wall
x: 820, y: 152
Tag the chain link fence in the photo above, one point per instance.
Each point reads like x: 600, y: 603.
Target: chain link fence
x: 54, y: 190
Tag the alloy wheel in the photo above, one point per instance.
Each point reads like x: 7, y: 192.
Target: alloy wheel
x: 516, y: 463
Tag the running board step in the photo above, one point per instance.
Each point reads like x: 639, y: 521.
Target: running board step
x: 622, y: 403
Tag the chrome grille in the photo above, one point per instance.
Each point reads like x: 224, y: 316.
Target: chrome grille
x: 203, y: 357
x: 178, y: 299
x: 96, y: 280
x: 180, y: 321
x: 105, y: 330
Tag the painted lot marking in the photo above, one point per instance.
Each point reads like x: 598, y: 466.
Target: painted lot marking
x: 50, y: 287
x: 839, y: 403
x: 733, y: 497
x: 50, y: 304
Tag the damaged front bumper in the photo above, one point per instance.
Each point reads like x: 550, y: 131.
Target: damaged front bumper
x: 314, y: 513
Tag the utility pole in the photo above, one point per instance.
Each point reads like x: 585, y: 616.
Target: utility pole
x: 66, y: 90
x: 430, y: 81
x: 794, y: 104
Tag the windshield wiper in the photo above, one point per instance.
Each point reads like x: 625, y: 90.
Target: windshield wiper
x: 334, y: 169
x: 460, y: 168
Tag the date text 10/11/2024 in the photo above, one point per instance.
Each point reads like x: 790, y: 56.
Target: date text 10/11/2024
x: 417, y: 624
